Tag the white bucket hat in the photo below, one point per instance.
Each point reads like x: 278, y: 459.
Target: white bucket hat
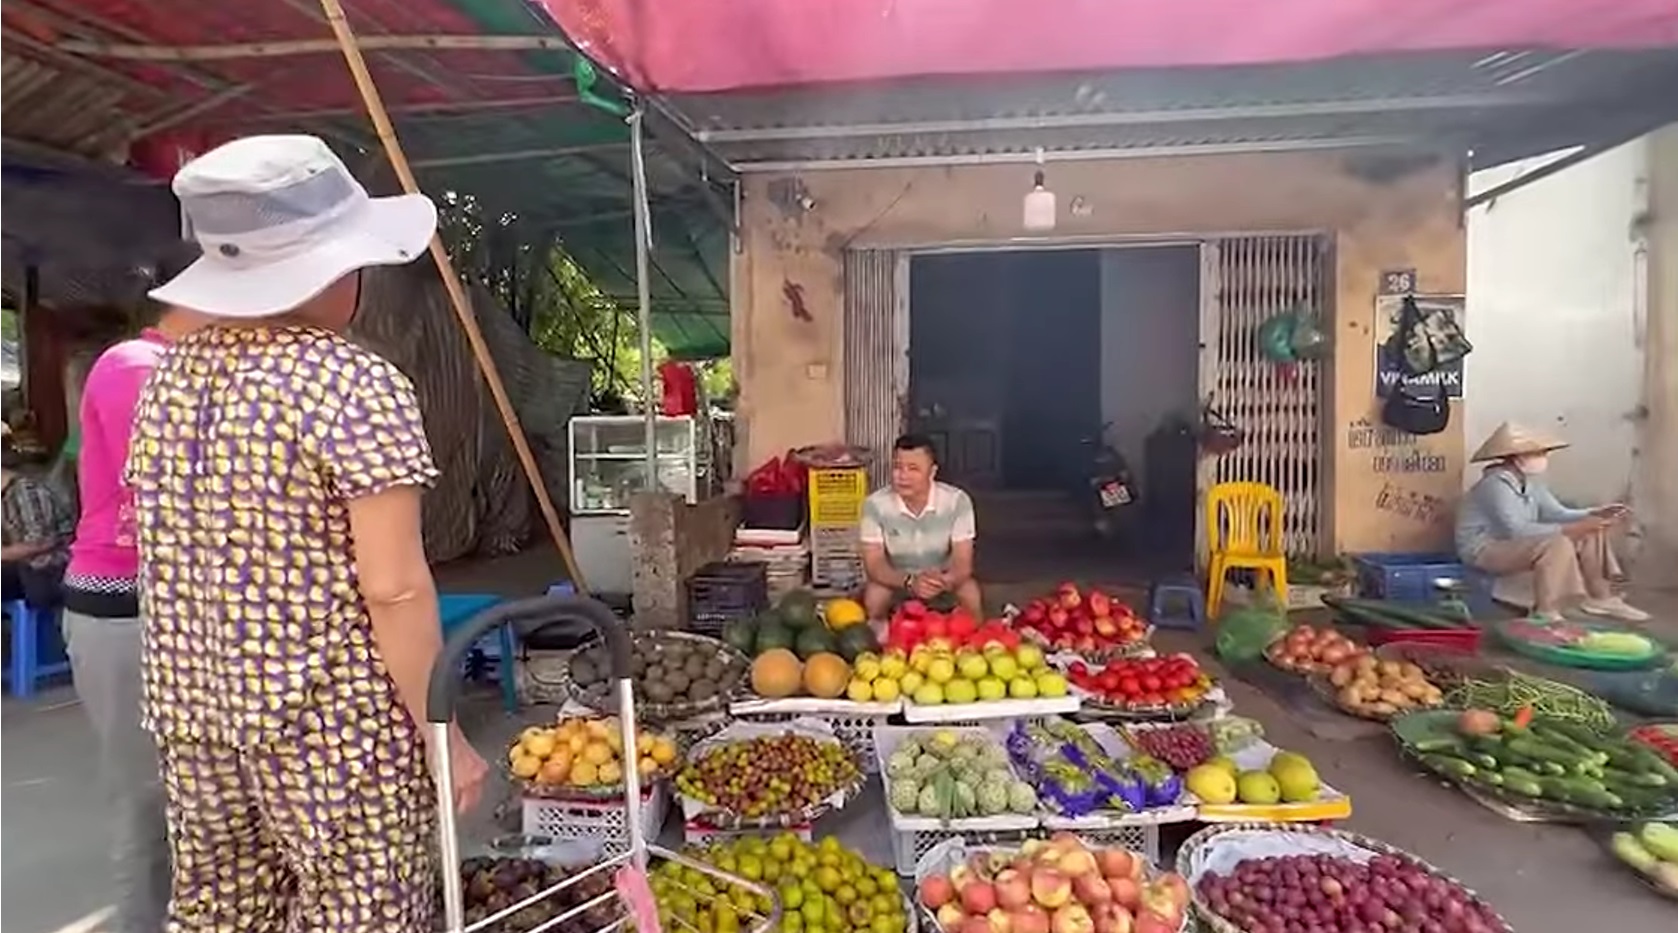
x: 280, y: 218
x: 1514, y: 440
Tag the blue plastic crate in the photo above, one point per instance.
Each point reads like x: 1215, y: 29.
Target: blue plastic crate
x: 1409, y: 578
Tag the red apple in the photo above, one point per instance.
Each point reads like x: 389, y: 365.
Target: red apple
x: 978, y: 897
x: 1068, y: 596
x: 1013, y: 889
x: 1057, y: 618
x: 1119, y: 863
x: 961, y: 876
x: 1050, y: 888
x: 1091, y: 889
x: 1078, y: 862
x: 1072, y: 918
x: 1106, y: 627
x: 1029, y: 919
x: 950, y: 916
x: 1111, y: 918
x: 999, y: 920
x: 936, y: 891
x: 1173, y: 884
x: 974, y: 925
x: 1101, y: 605
x: 1149, y: 922
x: 1161, y: 899
x: 1126, y: 892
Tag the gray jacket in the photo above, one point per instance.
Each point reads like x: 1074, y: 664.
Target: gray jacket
x: 1506, y: 504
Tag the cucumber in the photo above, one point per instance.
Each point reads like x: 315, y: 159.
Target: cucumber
x: 1483, y: 761
x: 1450, y: 764
x: 1359, y: 615
x: 1562, y: 740
x: 1585, y: 794
x: 1533, y: 747
x: 1523, y: 783
x: 1438, y: 743
x: 1490, y: 777
x: 1635, y: 778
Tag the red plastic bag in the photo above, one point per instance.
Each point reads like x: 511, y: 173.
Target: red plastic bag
x: 779, y: 478
x: 680, y: 390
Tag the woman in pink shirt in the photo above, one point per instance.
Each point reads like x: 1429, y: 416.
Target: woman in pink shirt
x: 101, y: 614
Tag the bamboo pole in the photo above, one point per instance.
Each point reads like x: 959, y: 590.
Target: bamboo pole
x: 281, y: 48
x: 451, y: 281
x: 643, y: 287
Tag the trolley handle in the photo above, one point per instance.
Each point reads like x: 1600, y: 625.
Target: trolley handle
x: 527, y: 616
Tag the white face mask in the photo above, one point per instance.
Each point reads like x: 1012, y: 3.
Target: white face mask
x: 1532, y: 464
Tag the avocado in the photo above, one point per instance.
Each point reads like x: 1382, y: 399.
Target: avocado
x: 813, y: 641
x: 798, y: 609
x: 856, y: 640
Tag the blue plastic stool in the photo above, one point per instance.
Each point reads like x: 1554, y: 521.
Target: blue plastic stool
x: 455, y: 608
x: 27, y: 667
x: 1166, y: 599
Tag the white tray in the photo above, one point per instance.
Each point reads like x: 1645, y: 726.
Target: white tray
x: 813, y: 706
x: 989, y: 709
x: 886, y: 741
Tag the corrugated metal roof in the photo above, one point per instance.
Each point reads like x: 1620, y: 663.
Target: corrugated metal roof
x: 1396, y: 100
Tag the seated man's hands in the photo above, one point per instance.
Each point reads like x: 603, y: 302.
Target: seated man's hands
x: 1612, y: 512
x: 927, y: 584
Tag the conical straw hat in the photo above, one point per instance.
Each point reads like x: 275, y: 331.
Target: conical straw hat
x: 1512, y: 440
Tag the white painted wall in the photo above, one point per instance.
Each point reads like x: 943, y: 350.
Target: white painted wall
x: 1555, y: 313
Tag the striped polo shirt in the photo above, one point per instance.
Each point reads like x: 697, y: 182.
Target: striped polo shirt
x: 918, y: 542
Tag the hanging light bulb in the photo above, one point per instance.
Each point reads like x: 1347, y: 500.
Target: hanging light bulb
x: 1039, y: 213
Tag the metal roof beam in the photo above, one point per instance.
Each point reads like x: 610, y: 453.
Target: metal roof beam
x: 444, y: 110
x: 1118, y: 118
x: 1076, y: 155
x: 517, y: 155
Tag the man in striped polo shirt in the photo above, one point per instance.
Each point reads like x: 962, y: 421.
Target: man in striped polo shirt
x: 917, y: 536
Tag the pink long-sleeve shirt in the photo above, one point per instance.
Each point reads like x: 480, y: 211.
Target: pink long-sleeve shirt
x: 104, y: 546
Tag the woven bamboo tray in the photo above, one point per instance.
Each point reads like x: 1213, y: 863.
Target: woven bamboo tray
x: 1195, y: 847
x: 602, y: 698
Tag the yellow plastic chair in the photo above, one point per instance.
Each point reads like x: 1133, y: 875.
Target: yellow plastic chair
x: 1244, y: 530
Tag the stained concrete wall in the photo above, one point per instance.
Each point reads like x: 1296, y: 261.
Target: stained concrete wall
x: 787, y: 353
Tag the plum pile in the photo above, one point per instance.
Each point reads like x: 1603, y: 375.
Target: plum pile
x: 491, y: 885
x: 769, y: 775
x: 1329, y: 894
x: 1181, y: 747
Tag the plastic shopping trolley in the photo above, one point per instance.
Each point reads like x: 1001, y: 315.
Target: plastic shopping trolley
x: 615, y: 893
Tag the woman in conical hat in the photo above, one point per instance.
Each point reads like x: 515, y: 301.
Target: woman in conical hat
x: 1510, y: 522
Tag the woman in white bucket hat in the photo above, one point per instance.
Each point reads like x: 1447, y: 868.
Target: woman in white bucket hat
x: 1510, y: 522
x: 290, y: 619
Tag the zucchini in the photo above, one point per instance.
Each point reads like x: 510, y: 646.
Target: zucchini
x: 1401, y: 615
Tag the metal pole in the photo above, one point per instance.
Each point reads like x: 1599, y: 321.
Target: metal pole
x: 643, y: 286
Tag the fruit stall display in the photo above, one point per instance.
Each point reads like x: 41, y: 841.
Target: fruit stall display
x: 1662, y: 737
x: 803, y: 627
x: 1590, y: 645
x: 1168, y: 686
x: 1538, y: 768
x: 1259, y: 781
x: 950, y: 779
x: 954, y: 684
x: 1088, y: 622
x: 823, y: 887
x: 493, y: 884
x: 1057, y: 885
x: 1087, y: 777
x: 1267, y: 878
x: 675, y: 675
x: 1651, y: 850
x: 583, y: 757
x: 1370, y: 688
x: 754, y: 775
x: 1308, y: 649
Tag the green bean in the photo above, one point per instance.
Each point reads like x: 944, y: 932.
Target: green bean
x: 1547, y: 698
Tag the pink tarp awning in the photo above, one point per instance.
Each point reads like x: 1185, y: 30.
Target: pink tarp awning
x: 717, y: 45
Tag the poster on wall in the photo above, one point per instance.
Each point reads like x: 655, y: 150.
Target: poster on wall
x: 1440, y: 315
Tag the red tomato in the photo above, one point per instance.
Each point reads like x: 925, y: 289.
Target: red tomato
x: 1129, y: 686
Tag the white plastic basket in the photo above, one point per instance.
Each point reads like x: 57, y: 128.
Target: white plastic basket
x: 605, y: 822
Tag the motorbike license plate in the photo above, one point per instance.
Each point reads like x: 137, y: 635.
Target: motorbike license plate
x: 1114, y: 493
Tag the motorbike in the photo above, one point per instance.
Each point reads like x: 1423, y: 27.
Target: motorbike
x: 1111, y: 488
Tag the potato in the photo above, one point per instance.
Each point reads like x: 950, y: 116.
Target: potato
x: 1409, y: 671
x: 1342, y: 675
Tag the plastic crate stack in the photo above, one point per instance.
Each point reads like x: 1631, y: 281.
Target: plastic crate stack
x: 783, y: 554
x: 836, y: 496
x: 720, y: 593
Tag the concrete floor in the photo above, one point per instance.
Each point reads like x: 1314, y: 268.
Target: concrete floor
x: 1544, y: 879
